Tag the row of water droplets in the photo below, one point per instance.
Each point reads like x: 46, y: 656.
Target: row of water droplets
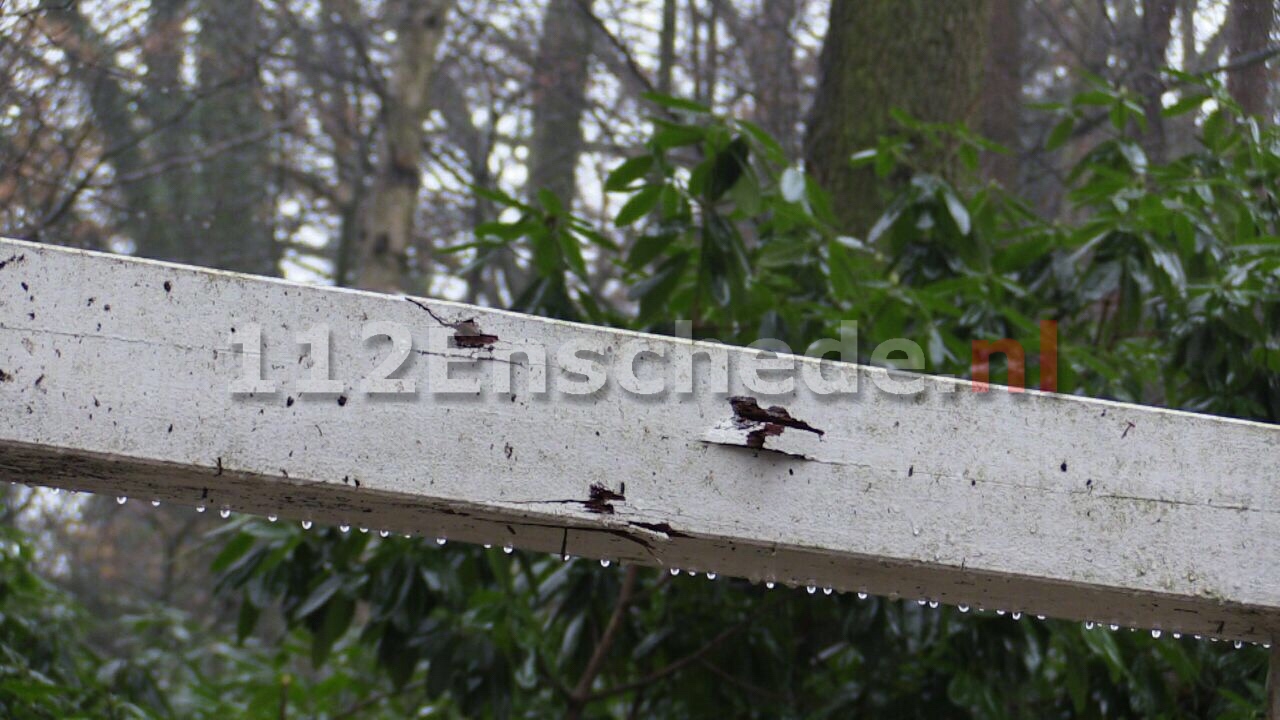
x: 812, y: 589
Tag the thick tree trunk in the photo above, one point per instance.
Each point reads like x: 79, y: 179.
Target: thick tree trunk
x: 559, y: 98
x: 1153, y: 49
x: 1002, y: 92
x: 232, y: 213
x: 778, y: 89
x: 388, y: 221
x: 166, y: 200
x: 338, y: 101
x: 560, y: 75
x: 189, y: 163
x: 1249, y: 25
x: 920, y: 56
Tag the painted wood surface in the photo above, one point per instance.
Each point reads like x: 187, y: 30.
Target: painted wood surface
x: 138, y: 378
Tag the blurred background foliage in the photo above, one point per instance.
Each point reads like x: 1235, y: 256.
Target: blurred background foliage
x: 737, y: 165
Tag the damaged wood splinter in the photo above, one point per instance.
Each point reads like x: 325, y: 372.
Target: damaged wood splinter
x: 466, y: 333
x: 751, y: 426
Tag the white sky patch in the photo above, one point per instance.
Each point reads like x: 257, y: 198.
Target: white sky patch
x: 448, y: 287
x: 306, y: 268
x: 1208, y: 20
x: 312, y: 236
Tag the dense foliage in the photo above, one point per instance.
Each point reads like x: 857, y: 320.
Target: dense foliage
x: 1165, y: 279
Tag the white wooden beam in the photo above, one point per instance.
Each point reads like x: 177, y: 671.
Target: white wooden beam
x: 116, y: 377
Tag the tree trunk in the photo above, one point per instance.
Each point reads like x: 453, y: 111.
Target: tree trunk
x: 388, y: 221
x: 1153, y: 49
x: 667, y: 47
x: 778, y: 88
x: 338, y: 103
x: 165, y: 201
x: 1002, y: 92
x: 230, y: 219
x: 188, y: 162
x: 921, y: 56
x: 696, y: 52
x: 768, y: 47
x: 1249, y: 25
x: 559, y: 98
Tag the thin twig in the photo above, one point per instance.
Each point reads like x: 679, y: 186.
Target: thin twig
x: 623, y: 52
x: 674, y: 667
x: 1244, y: 61
x: 580, y: 696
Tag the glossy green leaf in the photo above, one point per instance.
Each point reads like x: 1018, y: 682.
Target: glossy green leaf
x: 640, y: 204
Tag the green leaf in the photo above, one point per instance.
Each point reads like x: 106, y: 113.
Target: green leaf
x: 501, y: 230
x: 970, y: 157
x: 782, y: 255
x: 655, y: 291
x: 1094, y: 97
x: 650, y: 642
x: 1119, y: 117
x: 247, y: 619
x: 673, y: 204
x: 793, y: 185
x: 648, y: 247
x: 572, y: 254
x: 1214, y: 130
x: 548, y: 256
x: 676, y: 103
x: 746, y: 196
x: 638, y: 206
x: 772, y: 149
x: 728, y: 168
x: 863, y: 157
x: 671, y: 267
x: 721, y: 290
x: 319, y: 596
x: 1061, y: 133
x: 628, y: 172
x: 728, y: 241
x: 885, y: 161
x: 337, y: 618
x: 232, y: 551
x: 550, y: 202
x: 499, y: 197
x: 958, y: 211
x: 1135, y: 156
x: 397, y: 656
x: 590, y: 235
x: 1186, y: 105
x: 1103, y: 645
x: 673, y: 135
x: 886, y: 221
